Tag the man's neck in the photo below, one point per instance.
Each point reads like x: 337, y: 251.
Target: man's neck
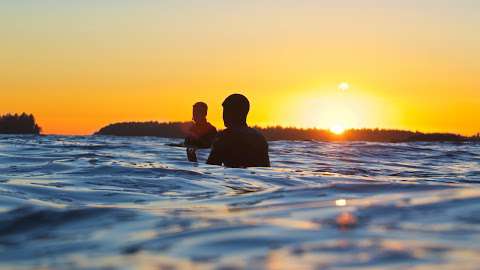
x: 201, y: 122
x: 242, y: 125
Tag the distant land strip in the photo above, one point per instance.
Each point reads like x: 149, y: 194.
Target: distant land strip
x: 276, y: 133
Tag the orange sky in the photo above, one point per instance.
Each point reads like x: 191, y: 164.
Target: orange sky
x: 79, y: 65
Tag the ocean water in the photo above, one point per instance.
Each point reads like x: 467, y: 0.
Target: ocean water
x: 136, y: 203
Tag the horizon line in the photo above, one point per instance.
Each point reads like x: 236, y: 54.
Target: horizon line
x: 277, y: 126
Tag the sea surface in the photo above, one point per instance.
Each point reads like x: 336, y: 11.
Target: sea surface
x: 136, y: 203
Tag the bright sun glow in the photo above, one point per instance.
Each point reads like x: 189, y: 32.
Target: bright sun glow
x: 332, y: 109
x: 344, y: 86
x: 337, y: 129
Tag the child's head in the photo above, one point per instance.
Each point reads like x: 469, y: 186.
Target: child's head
x: 200, y: 110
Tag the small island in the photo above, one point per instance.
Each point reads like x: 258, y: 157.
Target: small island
x: 19, y: 124
x: 177, y: 130
x: 152, y: 128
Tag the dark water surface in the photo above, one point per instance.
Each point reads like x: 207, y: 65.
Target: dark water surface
x: 135, y: 203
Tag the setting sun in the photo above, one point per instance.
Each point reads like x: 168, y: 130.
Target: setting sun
x: 337, y: 129
x: 344, y: 86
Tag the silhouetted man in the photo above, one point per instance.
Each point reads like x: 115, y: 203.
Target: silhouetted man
x: 202, y: 133
x: 238, y: 145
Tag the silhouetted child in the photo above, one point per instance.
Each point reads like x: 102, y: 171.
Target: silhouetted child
x: 202, y: 133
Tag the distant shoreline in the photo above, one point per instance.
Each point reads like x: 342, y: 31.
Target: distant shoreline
x: 277, y: 133
x: 25, y: 124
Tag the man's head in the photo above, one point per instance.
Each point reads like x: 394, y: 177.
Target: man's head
x: 235, y: 110
x: 200, y: 110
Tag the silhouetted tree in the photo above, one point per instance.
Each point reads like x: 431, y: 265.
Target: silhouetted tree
x: 476, y: 137
x: 18, y: 124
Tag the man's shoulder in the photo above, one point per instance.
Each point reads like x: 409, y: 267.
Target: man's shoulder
x: 220, y: 137
x: 256, y: 133
x: 211, y: 127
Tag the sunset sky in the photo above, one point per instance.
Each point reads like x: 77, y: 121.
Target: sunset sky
x: 79, y: 65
